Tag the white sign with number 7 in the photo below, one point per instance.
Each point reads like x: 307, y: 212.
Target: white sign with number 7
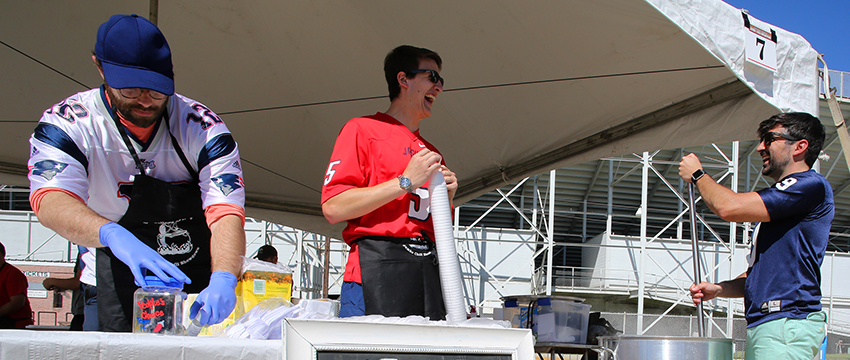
x: 760, y: 47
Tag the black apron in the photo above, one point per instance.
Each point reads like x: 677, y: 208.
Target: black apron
x: 167, y: 217
x: 400, y: 277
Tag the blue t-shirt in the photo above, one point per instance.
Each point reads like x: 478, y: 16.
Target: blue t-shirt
x: 784, y: 280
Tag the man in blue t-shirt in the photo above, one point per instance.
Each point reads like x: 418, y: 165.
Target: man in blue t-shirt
x: 781, y: 287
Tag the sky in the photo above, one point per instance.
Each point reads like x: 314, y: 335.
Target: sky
x: 824, y: 23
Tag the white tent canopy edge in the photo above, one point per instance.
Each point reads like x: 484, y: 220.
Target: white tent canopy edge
x: 531, y: 86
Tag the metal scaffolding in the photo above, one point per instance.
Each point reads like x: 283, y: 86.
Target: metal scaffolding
x: 557, y: 233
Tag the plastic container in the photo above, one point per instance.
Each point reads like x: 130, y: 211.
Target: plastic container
x: 158, y: 307
x: 569, y: 323
x: 555, y: 319
x: 512, y: 310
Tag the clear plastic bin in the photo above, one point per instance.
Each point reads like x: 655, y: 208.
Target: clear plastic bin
x: 557, y: 319
x: 562, y: 321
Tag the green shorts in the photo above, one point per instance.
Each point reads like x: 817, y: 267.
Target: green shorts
x: 787, y: 339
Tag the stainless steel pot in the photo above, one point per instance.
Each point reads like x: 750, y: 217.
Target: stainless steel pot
x: 666, y: 348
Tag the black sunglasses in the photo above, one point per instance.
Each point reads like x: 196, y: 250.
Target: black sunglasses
x: 433, y: 75
x: 772, y: 136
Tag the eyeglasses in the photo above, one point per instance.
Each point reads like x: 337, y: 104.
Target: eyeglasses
x: 772, y: 136
x: 133, y: 93
x: 433, y: 75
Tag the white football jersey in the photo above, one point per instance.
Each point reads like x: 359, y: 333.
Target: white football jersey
x: 88, y: 274
x: 76, y: 147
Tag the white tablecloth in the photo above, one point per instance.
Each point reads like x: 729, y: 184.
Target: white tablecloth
x: 73, y: 345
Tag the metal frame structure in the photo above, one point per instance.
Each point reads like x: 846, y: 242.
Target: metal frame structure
x: 723, y: 245
x: 540, y: 218
x: 544, y: 275
x: 309, y: 256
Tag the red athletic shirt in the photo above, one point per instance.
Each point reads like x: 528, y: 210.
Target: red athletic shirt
x: 14, y: 282
x: 371, y: 150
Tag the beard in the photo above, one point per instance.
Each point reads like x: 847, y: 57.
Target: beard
x: 774, y: 166
x: 125, y: 108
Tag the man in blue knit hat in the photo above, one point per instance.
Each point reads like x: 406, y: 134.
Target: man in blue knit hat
x: 148, y: 179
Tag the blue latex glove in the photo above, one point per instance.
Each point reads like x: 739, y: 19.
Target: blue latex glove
x: 138, y: 256
x: 217, y: 301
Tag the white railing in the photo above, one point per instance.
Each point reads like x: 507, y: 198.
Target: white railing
x: 658, y: 286
x: 618, y: 281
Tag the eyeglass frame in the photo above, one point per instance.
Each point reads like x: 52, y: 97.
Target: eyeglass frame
x: 141, y: 91
x: 773, y: 137
x: 433, y: 75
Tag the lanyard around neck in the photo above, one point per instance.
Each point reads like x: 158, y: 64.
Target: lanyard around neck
x: 132, y: 149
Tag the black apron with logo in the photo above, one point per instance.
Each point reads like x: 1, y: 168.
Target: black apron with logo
x: 400, y: 277
x: 167, y: 217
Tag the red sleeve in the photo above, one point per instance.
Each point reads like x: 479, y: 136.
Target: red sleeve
x: 38, y: 194
x: 215, y: 212
x: 346, y: 168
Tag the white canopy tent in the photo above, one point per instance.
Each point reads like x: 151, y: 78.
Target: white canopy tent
x: 530, y: 86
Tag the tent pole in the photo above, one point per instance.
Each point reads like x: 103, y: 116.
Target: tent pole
x: 153, y: 15
x: 695, y: 245
x: 327, y: 265
x: 550, y: 244
x: 644, y: 193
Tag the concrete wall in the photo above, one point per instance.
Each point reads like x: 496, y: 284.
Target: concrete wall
x: 668, y: 262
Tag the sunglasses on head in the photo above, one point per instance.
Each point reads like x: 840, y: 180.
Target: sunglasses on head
x: 772, y: 136
x: 433, y: 75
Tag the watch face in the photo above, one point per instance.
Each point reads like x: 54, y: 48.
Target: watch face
x: 697, y: 175
x: 404, y: 183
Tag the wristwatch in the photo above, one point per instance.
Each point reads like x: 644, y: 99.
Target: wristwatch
x: 404, y: 183
x: 697, y: 175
